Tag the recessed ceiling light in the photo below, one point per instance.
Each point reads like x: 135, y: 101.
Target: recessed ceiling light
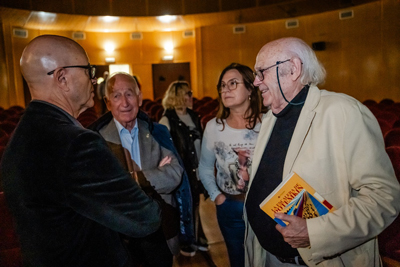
x: 166, y: 18
x: 46, y: 16
x: 109, y: 19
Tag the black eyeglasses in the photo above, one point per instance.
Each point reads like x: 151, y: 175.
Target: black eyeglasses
x: 91, y: 68
x: 260, y: 73
x: 229, y: 86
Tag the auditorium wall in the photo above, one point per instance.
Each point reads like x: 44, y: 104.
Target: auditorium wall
x: 361, y: 55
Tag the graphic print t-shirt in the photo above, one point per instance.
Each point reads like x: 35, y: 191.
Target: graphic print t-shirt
x: 230, y: 149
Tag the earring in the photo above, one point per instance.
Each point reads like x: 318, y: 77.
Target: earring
x: 249, y: 97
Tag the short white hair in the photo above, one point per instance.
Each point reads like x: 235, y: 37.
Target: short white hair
x: 313, y: 72
x: 110, y: 82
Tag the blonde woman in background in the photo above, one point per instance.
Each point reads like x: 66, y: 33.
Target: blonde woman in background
x: 185, y: 128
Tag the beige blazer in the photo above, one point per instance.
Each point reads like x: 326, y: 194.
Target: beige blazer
x: 338, y: 148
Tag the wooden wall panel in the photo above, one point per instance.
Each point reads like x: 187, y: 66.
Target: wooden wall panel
x: 390, y: 42
x: 14, y: 48
x: 220, y: 47
x: 143, y: 72
x: 4, y: 87
x: 362, y: 55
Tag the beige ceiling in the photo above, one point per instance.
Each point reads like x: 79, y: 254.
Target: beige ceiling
x: 97, y: 20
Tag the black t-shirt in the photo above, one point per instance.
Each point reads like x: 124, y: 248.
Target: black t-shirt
x: 269, y: 176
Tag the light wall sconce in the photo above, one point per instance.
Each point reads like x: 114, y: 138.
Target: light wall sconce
x: 109, y: 47
x: 168, y: 57
x: 169, y: 47
x: 110, y: 59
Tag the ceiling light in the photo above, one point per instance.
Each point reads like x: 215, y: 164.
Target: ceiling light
x: 109, y: 19
x: 166, y: 18
x: 46, y: 16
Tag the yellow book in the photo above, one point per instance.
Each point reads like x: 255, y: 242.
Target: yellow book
x: 295, y: 196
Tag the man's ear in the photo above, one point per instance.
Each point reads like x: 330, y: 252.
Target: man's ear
x: 140, y: 98
x: 296, y: 68
x: 61, y: 79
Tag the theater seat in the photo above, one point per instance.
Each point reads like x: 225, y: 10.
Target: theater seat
x: 387, y: 116
x: 4, y: 137
x: 385, y: 126
x: 392, y: 137
x: 394, y: 155
x: 388, y: 241
x: 10, y: 254
x: 8, y: 126
x: 205, y: 119
x: 396, y: 124
x: 369, y: 102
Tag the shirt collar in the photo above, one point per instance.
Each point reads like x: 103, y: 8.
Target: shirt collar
x: 122, y: 128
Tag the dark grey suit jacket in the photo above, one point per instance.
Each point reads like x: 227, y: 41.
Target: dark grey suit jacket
x: 69, y: 194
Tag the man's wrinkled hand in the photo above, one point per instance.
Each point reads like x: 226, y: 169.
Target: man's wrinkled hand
x: 296, y: 232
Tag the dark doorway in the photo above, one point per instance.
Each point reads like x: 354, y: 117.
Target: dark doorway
x: 165, y: 74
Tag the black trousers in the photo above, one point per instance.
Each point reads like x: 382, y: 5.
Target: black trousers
x: 150, y: 251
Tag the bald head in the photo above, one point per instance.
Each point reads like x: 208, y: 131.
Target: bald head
x: 68, y: 88
x: 46, y: 53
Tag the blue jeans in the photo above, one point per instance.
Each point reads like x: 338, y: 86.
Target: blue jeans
x: 230, y: 221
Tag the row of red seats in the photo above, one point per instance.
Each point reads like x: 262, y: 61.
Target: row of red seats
x: 387, y: 112
x: 9, y: 245
x: 8, y: 121
x: 10, y: 254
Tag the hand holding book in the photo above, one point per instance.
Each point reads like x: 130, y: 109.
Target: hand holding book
x: 294, y: 196
x: 296, y: 232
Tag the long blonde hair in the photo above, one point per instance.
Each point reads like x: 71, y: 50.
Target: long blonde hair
x: 174, y: 97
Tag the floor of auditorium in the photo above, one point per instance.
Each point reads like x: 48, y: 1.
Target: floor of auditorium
x: 217, y: 254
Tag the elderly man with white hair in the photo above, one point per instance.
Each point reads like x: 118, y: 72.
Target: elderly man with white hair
x: 335, y: 144
x: 145, y: 149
